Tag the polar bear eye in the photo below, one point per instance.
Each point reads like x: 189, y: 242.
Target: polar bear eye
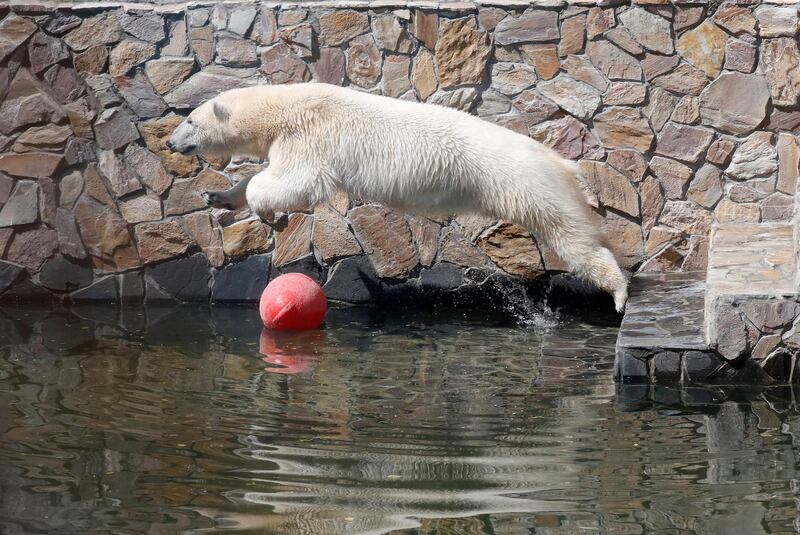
x: 189, y: 121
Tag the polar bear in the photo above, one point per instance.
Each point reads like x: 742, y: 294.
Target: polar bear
x: 408, y: 155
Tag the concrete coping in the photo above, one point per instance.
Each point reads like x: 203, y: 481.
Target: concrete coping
x: 164, y: 6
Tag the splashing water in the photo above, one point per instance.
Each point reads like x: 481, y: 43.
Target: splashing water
x: 526, y: 311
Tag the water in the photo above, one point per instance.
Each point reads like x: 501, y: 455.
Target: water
x: 165, y: 421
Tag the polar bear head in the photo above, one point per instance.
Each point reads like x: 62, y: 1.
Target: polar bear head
x: 209, y: 130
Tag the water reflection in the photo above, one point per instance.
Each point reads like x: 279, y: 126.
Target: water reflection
x: 189, y: 420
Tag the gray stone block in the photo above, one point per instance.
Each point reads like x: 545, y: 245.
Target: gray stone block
x: 185, y: 279
x: 104, y: 289
x: 441, y: 277
x: 60, y: 274
x: 242, y: 281
x: 353, y: 280
x: 666, y: 367
x: 629, y: 368
x: 699, y: 366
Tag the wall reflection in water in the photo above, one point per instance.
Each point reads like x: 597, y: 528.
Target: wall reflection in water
x: 189, y: 420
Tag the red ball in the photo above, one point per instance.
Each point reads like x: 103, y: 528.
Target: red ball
x: 293, y: 302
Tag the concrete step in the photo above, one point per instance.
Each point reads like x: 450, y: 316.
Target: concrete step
x: 663, y: 321
x: 750, y: 285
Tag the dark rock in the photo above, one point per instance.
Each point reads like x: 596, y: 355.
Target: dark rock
x: 66, y: 84
x: 700, y: 365
x: 44, y: 51
x: 441, y: 277
x: 353, y: 280
x: 242, y: 281
x: 104, y: 289
x: 9, y: 274
x: 667, y: 366
x: 140, y: 95
x: 148, y: 26
x: 306, y: 265
x: 62, y: 22
x: 60, y: 274
x: 185, y: 279
x: 28, y: 292
x: 131, y: 289
x: 78, y: 151
x: 628, y: 368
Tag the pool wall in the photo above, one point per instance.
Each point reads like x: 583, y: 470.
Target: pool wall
x: 681, y: 114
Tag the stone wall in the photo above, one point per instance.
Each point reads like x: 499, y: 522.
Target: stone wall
x: 679, y: 113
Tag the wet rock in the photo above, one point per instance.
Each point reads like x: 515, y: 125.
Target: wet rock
x: 30, y: 164
x: 623, y: 128
x: 211, y: 81
x: 236, y: 52
x: 161, y: 240
x: 242, y: 281
x: 673, y: 176
x: 205, y: 231
x: 629, y: 162
x: 69, y: 239
x: 613, y: 62
x: 9, y: 275
x: 396, y: 75
x: 167, y: 73
x: 776, y: 21
x: 44, y: 51
x: 178, y: 42
x: 648, y: 29
x: 735, y: 19
x: 611, y: 187
x: 127, y: 55
x: 512, y: 78
x: 780, y: 62
x: 147, y: 26
x: 531, y: 26
x: 14, y: 30
x: 340, y: 26
x: 331, y: 235
x: 92, y: 61
x: 106, y: 237
x: 31, y: 248
x: 739, y: 56
x: 569, y: 137
x: 330, y: 66
x: 684, y: 79
x: 704, y: 47
x: 244, y: 238
x: 102, y: 290
x: 48, y: 138
x: 22, y: 207
x: 461, y: 53
x: 706, y: 187
x: 385, y: 236
x: 682, y: 142
x: 114, y: 129
x: 186, y: 195
x: 573, y: 35
x: 686, y: 216
x: 148, y: 168
x: 140, y: 95
x: 735, y: 103
x: 754, y: 158
x: 580, y: 68
x: 61, y: 275
x: 577, y: 98
x: 185, y: 279
x: 353, y: 280
x: 513, y: 249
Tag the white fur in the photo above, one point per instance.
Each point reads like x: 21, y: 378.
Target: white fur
x: 404, y: 154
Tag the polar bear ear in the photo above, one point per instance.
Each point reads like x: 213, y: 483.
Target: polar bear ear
x: 221, y: 112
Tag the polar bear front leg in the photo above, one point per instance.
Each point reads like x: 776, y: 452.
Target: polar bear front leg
x: 269, y: 192
x: 231, y: 199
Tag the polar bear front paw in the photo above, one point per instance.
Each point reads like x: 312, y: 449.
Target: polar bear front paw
x: 215, y: 200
